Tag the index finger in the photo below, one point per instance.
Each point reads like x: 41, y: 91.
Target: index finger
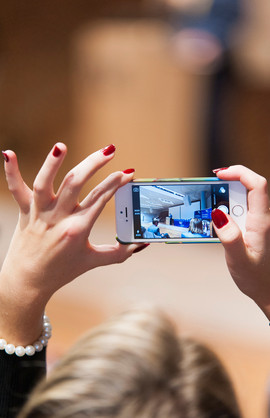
x: 69, y: 190
x: 258, y: 199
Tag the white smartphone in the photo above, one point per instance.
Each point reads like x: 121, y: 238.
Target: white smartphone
x: 176, y: 210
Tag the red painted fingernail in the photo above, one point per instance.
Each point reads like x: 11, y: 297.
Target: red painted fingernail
x: 108, y: 150
x: 56, y: 151
x: 216, y: 170
x: 128, y: 171
x: 5, y: 156
x: 137, y: 250
x: 219, y: 218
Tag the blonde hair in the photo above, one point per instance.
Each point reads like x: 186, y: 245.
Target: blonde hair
x: 135, y: 366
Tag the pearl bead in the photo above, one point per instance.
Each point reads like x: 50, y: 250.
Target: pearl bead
x: 47, y: 328
x: 20, y: 351
x: 10, y: 349
x: 38, y: 346
x: 30, y: 350
x: 3, y: 344
x: 43, y: 341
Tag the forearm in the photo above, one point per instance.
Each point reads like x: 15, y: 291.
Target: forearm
x: 21, y: 324
x: 21, y: 312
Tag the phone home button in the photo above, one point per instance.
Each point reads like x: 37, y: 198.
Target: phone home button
x: 238, y: 210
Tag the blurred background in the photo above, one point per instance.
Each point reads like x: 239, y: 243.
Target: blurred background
x: 180, y: 87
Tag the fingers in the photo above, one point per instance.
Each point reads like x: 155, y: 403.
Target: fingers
x: 230, y: 235
x: 73, y: 182
x: 20, y: 191
x: 112, y: 254
x: 43, y: 184
x: 258, y: 199
x: 94, y: 203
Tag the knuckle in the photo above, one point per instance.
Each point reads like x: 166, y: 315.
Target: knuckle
x: 117, y: 176
x: 97, y: 193
x: 37, y: 187
x: 262, y: 183
x: 114, y: 179
x: 240, y: 167
x: 69, y: 179
x: 12, y: 186
x: 72, y: 182
x: 70, y: 233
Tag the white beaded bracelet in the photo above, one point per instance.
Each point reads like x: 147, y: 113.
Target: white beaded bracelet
x: 30, y: 350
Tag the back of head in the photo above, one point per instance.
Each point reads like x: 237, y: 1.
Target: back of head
x: 135, y: 366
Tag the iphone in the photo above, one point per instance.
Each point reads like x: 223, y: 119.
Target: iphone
x: 176, y: 210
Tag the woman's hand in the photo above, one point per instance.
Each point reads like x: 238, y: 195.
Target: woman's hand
x: 248, y: 254
x: 50, y: 246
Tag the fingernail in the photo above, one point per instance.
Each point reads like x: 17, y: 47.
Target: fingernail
x: 108, y: 150
x: 219, y: 218
x: 5, y: 156
x: 137, y: 250
x: 129, y: 171
x: 216, y: 170
x: 56, y: 151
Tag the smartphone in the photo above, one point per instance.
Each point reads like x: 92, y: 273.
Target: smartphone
x: 176, y: 210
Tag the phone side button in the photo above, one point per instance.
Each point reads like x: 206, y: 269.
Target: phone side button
x: 238, y: 210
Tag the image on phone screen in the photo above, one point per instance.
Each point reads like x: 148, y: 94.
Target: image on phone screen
x: 177, y: 211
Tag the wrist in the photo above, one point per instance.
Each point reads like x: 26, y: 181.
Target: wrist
x: 21, y: 311
x: 32, y: 348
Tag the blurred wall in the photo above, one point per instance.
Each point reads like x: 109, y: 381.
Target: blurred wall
x: 91, y: 73
x: 128, y: 90
x: 35, y: 70
x: 246, y: 122
x: 69, y: 73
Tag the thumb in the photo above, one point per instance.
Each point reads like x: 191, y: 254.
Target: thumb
x: 112, y: 254
x: 230, y: 236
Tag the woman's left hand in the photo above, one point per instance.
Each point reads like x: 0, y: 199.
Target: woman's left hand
x: 51, y: 246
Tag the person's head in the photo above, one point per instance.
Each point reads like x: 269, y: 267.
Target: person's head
x: 196, y: 226
x: 155, y: 221
x: 135, y: 366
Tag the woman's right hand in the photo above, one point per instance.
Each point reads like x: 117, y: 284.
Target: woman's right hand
x: 248, y: 254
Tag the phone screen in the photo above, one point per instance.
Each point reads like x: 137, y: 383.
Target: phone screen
x: 177, y: 211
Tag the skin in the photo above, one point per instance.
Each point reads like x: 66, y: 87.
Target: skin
x: 51, y: 246
x: 248, y: 255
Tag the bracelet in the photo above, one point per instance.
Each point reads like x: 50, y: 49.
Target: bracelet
x: 30, y: 350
